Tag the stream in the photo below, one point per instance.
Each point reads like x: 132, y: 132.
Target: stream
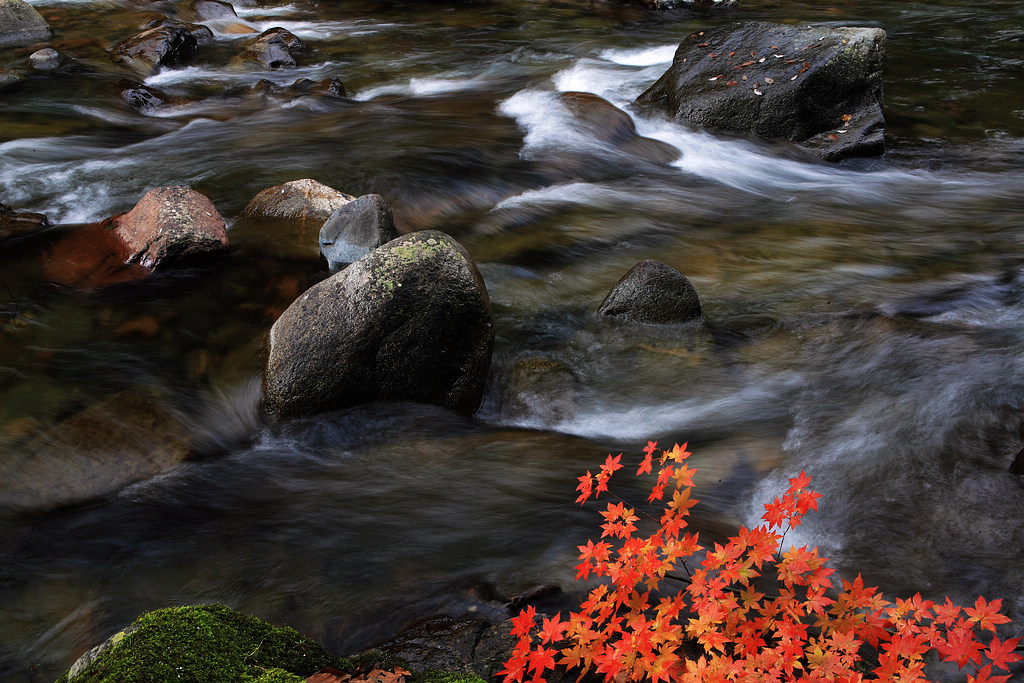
x: 864, y: 320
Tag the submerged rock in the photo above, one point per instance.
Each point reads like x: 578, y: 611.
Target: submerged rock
x: 131, y: 436
x: 170, y: 225
x: 201, y: 643
x: 411, y: 321
x: 13, y: 222
x: 355, y: 229
x: 614, y: 127
x: 653, y: 292
x: 328, y: 87
x: 204, y: 10
x: 21, y: 24
x: 818, y: 86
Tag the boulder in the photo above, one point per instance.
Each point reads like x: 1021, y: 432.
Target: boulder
x: 166, y: 44
x: 355, y: 229
x: 410, y: 321
x: 169, y: 225
x: 21, y: 24
x: 142, y: 97
x: 306, y: 201
x: 818, y: 86
x: 655, y: 293
x: 607, y: 123
x: 202, y: 643
x: 274, y: 48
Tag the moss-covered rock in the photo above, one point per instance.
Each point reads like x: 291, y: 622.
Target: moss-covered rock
x: 209, y: 643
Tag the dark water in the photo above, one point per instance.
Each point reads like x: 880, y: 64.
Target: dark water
x: 864, y: 319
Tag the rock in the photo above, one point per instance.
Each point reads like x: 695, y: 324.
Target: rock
x: 204, y: 10
x: 614, y: 127
x: 13, y: 222
x: 142, y: 97
x: 170, y: 225
x: 46, y: 59
x: 355, y: 229
x: 410, y: 321
x: 818, y: 86
x: 126, y: 438
x: 10, y: 78
x: 305, y: 201
x: 274, y: 48
x: 202, y: 643
x: 328, y: 87
x: 655, y: 293
x: 21, y: 24
x: 166, y: 44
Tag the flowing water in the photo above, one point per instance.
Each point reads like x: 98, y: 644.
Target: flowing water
x: 864, y: 319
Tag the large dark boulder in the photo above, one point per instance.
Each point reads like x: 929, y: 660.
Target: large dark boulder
x: 653, y: 292
x: 21, y: 24
x: 166, y: 44
x: 411, y: 321
x: 818, y: 86
x: 356, y: 229
x: 170, y: 225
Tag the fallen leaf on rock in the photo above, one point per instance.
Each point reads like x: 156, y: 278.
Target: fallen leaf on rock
x: 769, y: 81
x: 732, y: 82
x: 847, y: 117
x: 833, y: 137
x: 757, y: 92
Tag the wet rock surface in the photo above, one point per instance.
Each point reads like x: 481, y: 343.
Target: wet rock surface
x: 170, y: 225
x: 653, y: 292
x: 356, y: 229
x: 819, y: 86
x: 21, y: 24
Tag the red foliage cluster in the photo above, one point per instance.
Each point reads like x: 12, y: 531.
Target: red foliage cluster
x: 719, y: 627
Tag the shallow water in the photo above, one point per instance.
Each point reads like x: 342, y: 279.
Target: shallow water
x: 863, y: 319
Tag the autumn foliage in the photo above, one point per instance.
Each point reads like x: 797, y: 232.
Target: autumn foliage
x: 720, y: 626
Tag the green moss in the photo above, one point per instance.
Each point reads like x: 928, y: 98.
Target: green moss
x: 438, y: 676
x: 208, y: 643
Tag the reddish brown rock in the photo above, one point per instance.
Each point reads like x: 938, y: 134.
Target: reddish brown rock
x: 170, y: 225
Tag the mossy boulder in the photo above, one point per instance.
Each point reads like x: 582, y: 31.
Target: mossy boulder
x: 209, y: 643
x: 410, y: 321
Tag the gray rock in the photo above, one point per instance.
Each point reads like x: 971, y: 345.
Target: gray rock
x: 46, y: 59
x: 21, y: 24
x: 304, y: 200
x: 167, y: 44
x: 328, y: 87
x: 355, y: 229
x: 170, y: 225
x: 142, y: 97
x: 274, y: 48
x: 819, y: 86
x: 653, y: 292
x: 411, y: 321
